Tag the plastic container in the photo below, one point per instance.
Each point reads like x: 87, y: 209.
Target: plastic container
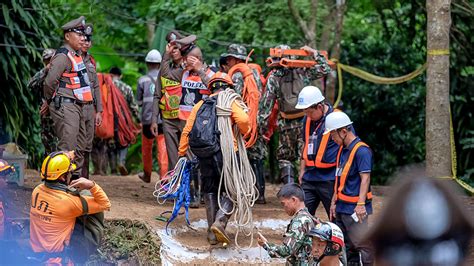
x: 19, y: 162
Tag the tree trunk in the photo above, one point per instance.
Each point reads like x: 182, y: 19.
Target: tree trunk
x: 438, y: 153
x: 335, y: 50
x: 150, y: 26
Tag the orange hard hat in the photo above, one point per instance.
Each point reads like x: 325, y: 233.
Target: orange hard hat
x: 218, y: 78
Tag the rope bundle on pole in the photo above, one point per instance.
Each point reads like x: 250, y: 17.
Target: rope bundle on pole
x: 237, y: 175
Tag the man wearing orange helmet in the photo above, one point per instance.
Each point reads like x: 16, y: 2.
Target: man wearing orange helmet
x: 54, y: 207
x: 210, y: 156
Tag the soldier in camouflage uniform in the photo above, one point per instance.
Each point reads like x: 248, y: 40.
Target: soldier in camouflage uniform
x: 290, y: 126
x: 237, y: 54
x: 49, y: 140
x: 297, y: 245
x: 115, y: 150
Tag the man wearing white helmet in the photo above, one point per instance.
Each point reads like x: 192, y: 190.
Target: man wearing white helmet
x: 352, y: 200
x: 327, y: 244
x: 145, y: 91
x: 318, y: 158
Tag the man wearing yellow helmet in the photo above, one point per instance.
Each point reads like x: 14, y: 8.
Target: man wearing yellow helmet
x: 54, y: 209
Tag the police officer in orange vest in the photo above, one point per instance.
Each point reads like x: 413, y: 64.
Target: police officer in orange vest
x: 67, y: 89
x: 318, y: 159
x: 352, y: 200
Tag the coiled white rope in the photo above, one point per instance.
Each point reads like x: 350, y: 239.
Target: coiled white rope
x: 170, y: 183
x: 237, y: 174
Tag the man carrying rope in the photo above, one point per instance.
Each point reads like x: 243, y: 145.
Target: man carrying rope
x: 211, y: 165
x: 239, y: 71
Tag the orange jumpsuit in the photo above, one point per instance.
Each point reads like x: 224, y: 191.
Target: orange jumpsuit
x: 53, y: 215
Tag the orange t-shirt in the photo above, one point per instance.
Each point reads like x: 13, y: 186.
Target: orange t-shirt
x: 53, y: 215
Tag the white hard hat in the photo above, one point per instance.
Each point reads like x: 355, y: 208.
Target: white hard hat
x: 336, y: 120
x: 309, y: 95
x: 153, y: 56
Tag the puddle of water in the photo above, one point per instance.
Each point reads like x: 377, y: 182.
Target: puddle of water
x: 173, y: 252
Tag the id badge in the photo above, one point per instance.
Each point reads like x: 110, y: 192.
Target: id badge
x: 310, y: 149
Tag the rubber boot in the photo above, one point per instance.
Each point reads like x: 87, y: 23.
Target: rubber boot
x: 210, y: 199
x: 112, y: 161
x: 257, y: 167
x: 287, y: 174
x: 85, y: 166
x: 194, y: 186
x: 218, y: 227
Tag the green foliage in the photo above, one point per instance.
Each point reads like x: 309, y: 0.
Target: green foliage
x: 390, y: 118
x: 462, y: 94
x: 23, y: 27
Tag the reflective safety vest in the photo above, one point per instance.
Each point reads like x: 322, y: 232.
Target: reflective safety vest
x: 78, y: 79
x: 171, y: 96
x: 193, y: 90
x: 341, y: 177
x: 318, y: 160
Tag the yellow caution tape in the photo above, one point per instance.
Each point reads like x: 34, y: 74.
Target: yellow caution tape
x: 438, y: 52
x: 383, y: 80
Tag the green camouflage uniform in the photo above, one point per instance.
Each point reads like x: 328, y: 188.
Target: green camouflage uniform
x: 296, y: 247
x: 290, y: 141
x: 49, y: 140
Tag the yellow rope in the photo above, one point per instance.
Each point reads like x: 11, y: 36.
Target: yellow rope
x: 383, y: 80
x: 438, y: 52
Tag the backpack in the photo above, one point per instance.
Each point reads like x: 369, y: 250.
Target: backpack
x: 291, y: 84
x: 204, y: 138
x: 88, y: 230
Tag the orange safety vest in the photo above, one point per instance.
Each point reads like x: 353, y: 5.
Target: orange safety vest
x: 78, y: 80
x: 171, y: 96
x: 341, y: 180
x: 318, y: 161
x: 193, y: 90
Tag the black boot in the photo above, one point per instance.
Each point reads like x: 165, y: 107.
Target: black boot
x: 287, y: 175
x: 194, y: 186
x: 218, y: 227
x: 257, y: 167
x: 210, y: 199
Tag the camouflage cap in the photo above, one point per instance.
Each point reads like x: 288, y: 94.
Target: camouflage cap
x: 173, y: 36
x: 77, y: 25
x: 48, y: 53
x: 237, y: 51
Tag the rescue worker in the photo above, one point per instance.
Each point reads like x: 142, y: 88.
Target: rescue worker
x: 327, y: 244
x: 296, y: 245
x: 283, y: 85
x: 211, y: 166
x: 145, y: 92
x: 92, y: 113
x: 352, y: 200
x: 116, y: 153
x: 36, y: 84
x: 193, y: 77
x: 167, y: 97
x: 425, y: 222
x: 237, y: 54
x: 5, y: 170
x: 54, y: 210
x: 318, y: 158
x: 67, y: 90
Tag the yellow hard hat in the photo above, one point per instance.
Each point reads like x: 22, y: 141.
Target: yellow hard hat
x: 5, y: 168
x: 55, y: 165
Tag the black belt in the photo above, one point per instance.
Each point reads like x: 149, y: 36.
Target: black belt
x: 71, y: 100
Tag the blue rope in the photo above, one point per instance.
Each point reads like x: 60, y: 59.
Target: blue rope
x: 181, y: 197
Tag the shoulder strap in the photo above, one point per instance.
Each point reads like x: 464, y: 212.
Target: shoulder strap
x: 63, y: 187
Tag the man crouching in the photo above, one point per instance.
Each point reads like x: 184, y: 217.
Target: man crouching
x: 296, y: 246
x: 55, y: 207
